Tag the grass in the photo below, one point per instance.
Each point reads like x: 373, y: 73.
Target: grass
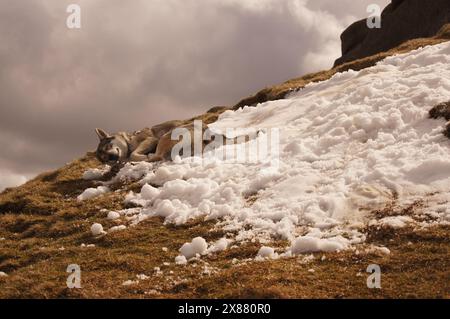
x: 43, y: 227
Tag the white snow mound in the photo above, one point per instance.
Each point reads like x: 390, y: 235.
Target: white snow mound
x: 97, y: 229
x: 197, y: 246
x: 92, y: 193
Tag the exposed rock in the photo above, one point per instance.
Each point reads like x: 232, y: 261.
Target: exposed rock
x: 441, y: 111
x: 401, y: 20
x: 447, y: 130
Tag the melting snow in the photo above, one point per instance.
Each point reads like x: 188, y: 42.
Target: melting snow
x: 93, y: 192
x: 266, y: 252
x: 180, y: 260
x: 348, y: 145
x: 113, y: 215
x: 396, y: 221
x: 197, y: 246
x: 97, y: 229
x: 95, y: 173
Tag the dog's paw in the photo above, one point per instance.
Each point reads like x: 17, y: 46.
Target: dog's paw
x: 154, y: 158
x: 134, y: 157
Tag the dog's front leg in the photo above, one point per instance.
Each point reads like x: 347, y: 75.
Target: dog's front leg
x: 146, y: 147
x: 154, y: 158
x: 135, y: 157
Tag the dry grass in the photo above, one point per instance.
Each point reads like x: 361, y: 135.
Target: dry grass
x: 42, y: 227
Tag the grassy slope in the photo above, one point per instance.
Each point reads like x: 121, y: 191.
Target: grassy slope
x: 43, y: 227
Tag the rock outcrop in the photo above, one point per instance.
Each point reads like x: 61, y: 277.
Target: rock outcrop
x: 401, y: 20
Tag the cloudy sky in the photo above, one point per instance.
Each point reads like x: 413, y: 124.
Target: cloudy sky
x: 137, y: 63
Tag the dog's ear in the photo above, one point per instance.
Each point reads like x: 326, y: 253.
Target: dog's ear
x: 101, y: 134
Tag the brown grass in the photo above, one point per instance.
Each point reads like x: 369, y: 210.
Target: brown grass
x: 42, y: 227
x: 37, y: 220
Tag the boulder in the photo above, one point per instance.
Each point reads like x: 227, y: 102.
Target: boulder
x: 401, y: 20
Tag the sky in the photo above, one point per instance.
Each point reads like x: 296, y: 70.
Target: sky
x: 134, y: 64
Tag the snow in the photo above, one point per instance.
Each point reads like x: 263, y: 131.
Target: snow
x: 197, y: 246
x: 117, y: 228
x: 96, y: 173
x: 396, y: 221
x: 308, y: 244
x: 180, y: 260
x: 92, y: 193
x: 218, y: 246
x: 142, y: 277
x: 97, y: 229
x: 266, y: 252
x: 113, y: 215
x: 132, y: 172
x: 149, y: 192
x: 347, y: 146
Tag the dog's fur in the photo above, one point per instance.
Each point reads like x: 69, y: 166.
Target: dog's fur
x: 151, y: 145
x: 138, y: 146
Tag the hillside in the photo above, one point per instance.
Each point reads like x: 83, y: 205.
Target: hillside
x: 363, y: 179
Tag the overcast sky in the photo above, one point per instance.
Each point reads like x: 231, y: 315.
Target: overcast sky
x: 136, y: 63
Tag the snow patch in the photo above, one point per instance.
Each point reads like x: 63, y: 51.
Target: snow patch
x: 97, y: 229
x: 117, y: 228
x: 218, y: 246
x: 113, y: 215
x: 266, y: 252
x: 307, y: 244
x: 96, y: 173
x: 92, y: 193
x: 197, y: 246
x: 180, y: 260
x: 395, y: 221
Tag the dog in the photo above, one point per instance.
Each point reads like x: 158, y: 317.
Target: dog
x: 154, y: 144
x: 135, y: 147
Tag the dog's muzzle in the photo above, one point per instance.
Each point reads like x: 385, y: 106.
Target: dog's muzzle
x: 113, y: 158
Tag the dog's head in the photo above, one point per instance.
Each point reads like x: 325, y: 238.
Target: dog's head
x: 112, y: 148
